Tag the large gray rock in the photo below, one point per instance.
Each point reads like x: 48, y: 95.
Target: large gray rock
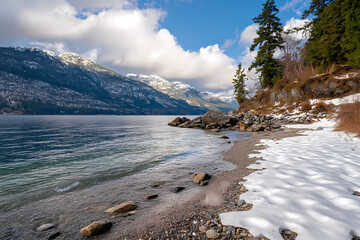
x: 218, y: 117
x: 178, y: 121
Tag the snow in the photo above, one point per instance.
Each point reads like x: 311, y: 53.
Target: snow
x: 306, y: 185
x: 339, y: 101
x: 346, y: 76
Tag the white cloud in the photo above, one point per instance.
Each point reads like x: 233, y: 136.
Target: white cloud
x: 290, y: 4
x: 296, y: 23
x: 125, y: 39
x: 56, y: 47
x: 228, y: 43
x: 247, y: 36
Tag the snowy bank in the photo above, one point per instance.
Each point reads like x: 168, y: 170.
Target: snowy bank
x: 306, y: 186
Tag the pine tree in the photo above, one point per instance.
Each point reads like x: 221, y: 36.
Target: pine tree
x: 239, y: 84
x: 268, y: 40
x: 352, y: 32
x: 334, y: 32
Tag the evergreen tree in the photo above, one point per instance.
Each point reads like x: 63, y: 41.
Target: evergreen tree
x: 268, y: 40
x: 334, y: 32
x: 239, y: 84
x: 316, y: 8
x: 352, y: 32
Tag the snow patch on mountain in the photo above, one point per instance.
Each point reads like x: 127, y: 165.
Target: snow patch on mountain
x: 183, y: 91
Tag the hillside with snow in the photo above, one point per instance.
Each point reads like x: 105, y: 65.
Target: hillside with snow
x: 191, y: 95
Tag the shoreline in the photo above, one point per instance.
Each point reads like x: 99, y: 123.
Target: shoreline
x: 221, y: 195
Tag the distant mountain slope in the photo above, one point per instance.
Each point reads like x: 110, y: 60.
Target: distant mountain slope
x: 33, y: 81
x: 191, y: 95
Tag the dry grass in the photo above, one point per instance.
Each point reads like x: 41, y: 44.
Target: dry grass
x: 305, y: 106
x: 322, y: 107
x: 348, y: 118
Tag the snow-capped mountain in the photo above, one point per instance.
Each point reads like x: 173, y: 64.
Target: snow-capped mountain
x: 33, y: 81
x: 182, y: 91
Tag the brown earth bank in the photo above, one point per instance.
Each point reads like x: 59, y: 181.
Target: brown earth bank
x: 198, y: 218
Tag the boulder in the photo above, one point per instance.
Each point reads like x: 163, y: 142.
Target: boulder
x: 257, y: 127
x: 243, y: 125
x: 201, y: 177
x: 218, y: 117
x: 177, y: 121
x: 123, y: 207
x: 95, y: 228
x: 224, y: 137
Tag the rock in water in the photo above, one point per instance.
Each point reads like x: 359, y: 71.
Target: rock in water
x: 211, y: 233
x: 95, y: 228
x: 177, y: 189
x: 151, y: 196
x: 45, y: 227
x: 123, y: 207
x: 224, y: 137
x: 178, y: 121
x: 201, y: 177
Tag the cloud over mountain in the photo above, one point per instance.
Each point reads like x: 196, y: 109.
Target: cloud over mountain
x: 116, y: 34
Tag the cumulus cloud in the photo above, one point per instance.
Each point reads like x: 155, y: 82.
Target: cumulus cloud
x: 117, y: 35
x: 247, y: 36
x: 296, y: 23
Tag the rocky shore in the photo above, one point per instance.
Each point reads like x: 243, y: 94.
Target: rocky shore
x: 199, y: 218
x: 217, y: 121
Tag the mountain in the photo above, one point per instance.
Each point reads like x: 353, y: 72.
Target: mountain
x: 191, y: 95
x: 34, y: 81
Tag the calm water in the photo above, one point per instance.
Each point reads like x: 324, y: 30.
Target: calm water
x: 42, y: 156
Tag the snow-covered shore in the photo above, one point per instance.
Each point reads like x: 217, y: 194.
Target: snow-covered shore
x: 306, y: 185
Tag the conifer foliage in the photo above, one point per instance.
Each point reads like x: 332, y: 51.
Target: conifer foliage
x: 239, y: 84
x: 267, y: 41
x: 334, y: 32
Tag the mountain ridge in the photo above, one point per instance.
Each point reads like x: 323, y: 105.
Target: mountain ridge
x: 183, y: 91
x: 34, y: 81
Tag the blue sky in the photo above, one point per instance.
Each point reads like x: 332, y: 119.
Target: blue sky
x: 199, y: 42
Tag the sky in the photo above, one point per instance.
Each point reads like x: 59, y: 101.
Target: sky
x: 199, y: 42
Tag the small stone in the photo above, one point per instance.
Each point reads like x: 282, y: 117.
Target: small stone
x: 123, y: 207
x: 241, y: 202
x: 202, y: 229
x: 156, y: 185
x: 45, y: 227
x: 356, y: 193
x: 95, y: 228
x: 208, y: 222
x: 132, y: 213
x: 211, y: 233
x: 177, y: 189
x: 224, y: 137
x: 151, y: 196
x: 288, y: 234
x: 54, y: 235
x: 201, y: 177
x: 238, y: 231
